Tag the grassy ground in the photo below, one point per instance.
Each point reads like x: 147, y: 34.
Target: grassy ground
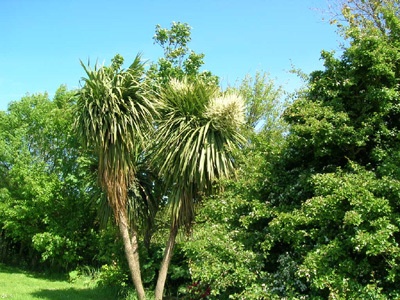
x: 16, y: 284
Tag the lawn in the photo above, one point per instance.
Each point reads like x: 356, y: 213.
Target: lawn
x: 16, y: 284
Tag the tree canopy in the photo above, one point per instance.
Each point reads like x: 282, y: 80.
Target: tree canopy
x: 293, y: 199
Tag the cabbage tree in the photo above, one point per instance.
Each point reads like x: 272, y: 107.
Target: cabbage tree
x: 113, y: 115
x: 197, y: 133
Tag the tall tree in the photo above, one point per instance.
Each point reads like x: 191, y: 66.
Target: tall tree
x: 364, y: 13
x: 42, y: 185
x: 334, y: 190
x: 262, y: 97
x: 197, y: 134
x: 113, y: 115
x: 179, y: 60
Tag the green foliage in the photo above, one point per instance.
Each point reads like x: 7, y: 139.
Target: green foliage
x: 311, y: 213
x: 112, y: 276
x: 44, y: 187
x: 197, y: 130
x: 174, y: 41
x: 179, y: 60
x: 355, y: 99
x: 113, y: 113
x: 221, y: 261
x: 226, y: 249
x: 316, y: 215
x: 379, y: 14
x: 55, y: 247
x: 346, y: 234
x: 333, y: 191
x: 261, y: 98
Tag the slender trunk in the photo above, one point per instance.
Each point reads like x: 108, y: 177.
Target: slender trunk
x: 135, y: 249
x: 132, y: 254
x: 162, y: 275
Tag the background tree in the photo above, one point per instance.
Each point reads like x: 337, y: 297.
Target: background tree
x: 179, y: 60
x: 335, y: 230
x: 46, y: 220
x: 323, y: 212
x: 262, y: 98
x: 363, y: 14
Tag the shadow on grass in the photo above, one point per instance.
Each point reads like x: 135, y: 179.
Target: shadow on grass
x: 32, y: 274
x: 76, y: 294
x: 52, y: 277
x: 8, y: 269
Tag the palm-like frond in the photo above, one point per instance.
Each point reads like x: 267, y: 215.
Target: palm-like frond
x: 142, y: 196
x: 113, y: 114
x: 197, y: 131
x: 143, y: 192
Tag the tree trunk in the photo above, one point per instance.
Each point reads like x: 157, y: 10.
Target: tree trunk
x: 132, y: 254
x: 162, y: 275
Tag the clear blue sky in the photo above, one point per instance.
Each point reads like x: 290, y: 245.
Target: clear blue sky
x: 42, y: 41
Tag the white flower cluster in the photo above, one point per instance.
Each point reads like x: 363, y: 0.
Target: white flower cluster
x: 179, y: 85
x: 226, y: 111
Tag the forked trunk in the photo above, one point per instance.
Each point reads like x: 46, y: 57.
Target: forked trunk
x: 132, y: 254
x: 162, y: 275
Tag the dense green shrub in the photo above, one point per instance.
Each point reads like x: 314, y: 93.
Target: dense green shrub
x: 317, y: 217
x: 45, y: 184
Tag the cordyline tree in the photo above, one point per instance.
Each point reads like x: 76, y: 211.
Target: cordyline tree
x: 197, y: 132
x: 113, y: 116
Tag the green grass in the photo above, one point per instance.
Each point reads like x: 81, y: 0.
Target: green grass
x: 16, y: 284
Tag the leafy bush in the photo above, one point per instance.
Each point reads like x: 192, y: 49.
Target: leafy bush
x: 112, y: 275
